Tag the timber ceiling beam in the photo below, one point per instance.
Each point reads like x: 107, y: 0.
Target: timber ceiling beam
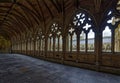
x: 42, y: 13
x: 50, y: 12
x: 33, y: 14
x: 35, y: 9
x: 56, y: 6
x: 26, y: 19
x: 7, y: 25
x: 7, y: 13
x: 22, y: 19
x: 17, y: 24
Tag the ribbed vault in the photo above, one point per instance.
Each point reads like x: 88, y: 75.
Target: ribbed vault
x: 24, y: 16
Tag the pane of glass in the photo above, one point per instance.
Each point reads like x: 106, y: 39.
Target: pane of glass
x: 106, y: 40
x: 48, y: 44
x: 16, y: 46
x: 87, y: 26
x: 23, y: 45
x: 32, y: 45
x: 41, y: 45
x: 117, y: 39
x: 60, y: 43
x: 69, y: 42
x: 28, y: 46
x: 58, y: 33
x: 83, y: 15
x: 36, y: 46
x: 109, y: 13
x: 71, y: 30
x: 56, y: 44
x: 82, y: 20
x: 82, y: 41
x: 74, y: 42
x: 51, y: 43
x: 91, y: 41
x: 75, y: 22
x: 110, y: 20
x: 19, y: 47
x: 78, y: 15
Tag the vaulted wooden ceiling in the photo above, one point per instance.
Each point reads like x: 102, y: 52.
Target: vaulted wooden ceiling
x: 21, y: 16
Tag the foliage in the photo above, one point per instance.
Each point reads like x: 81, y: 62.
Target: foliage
x: 4, y: 43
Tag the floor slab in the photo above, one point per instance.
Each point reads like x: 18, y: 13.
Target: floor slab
x: 16, y: 68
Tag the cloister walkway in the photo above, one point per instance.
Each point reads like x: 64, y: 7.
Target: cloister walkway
x: 16, y: 68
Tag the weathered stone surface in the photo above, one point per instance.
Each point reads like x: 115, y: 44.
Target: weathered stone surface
x: 16, y: 68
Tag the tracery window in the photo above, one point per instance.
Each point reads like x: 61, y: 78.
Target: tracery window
x: 56, y: 43
x: 50, y: 40
x: 60, y: 43
x: 91, y: 41
x: 110, y: 32
x: 39, y: 39
x: 37, y: 43
x: 55, y: 38
x: 85, y: 27
x: 17, y: 45
x: 43, y: 43
x: 117, y: 31
x: 68, y: 44
x: 106, y: 39
x: 74, y: 42
x: 107, y: 32
x: 117, y: 39
x: 23, y: 45
x: 32, y: 44
x: 72, y: 39
x: 28, y: 44
x: 82, y: 41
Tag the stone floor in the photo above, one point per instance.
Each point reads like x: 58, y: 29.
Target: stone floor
x: 15, y: 68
